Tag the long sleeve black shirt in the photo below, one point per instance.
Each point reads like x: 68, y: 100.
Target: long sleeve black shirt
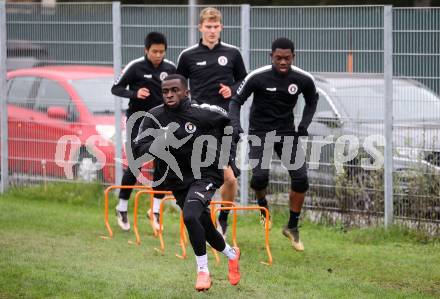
x: 275, y: 96
x: 193, y: 120
x: 207, y: 68
x: 141, y: 73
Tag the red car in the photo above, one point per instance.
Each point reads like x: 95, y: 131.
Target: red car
x: 61, y: 122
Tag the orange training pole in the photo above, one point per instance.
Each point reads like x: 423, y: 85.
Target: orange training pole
x: 266, y: 225
x: 181, y: 230
x: 162, y: 244
x: 234, y: 241
x: 136, y: 204
x: 222, y: 202
x: 183, y: 240
x: 106, y: 192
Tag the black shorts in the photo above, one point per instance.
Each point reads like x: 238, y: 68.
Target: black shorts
x: 201, y: 190
x: 286, y: 150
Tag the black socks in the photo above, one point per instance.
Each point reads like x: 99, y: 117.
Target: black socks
x: 293, y: 220
x: 223, y: 215
x: 262, y: 202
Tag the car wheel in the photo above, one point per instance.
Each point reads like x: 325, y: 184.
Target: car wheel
x: 87, y: 169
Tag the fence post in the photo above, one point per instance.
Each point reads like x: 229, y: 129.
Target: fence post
x: 117, y: 62
x: 3, y: 101
x: 245, y: 46
x: 388, y: 111
x: 192, y: 21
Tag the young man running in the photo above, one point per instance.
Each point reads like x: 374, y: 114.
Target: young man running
x: 143, y: 76
x: 276, y: 89
x: 215, y: 70
x: 185, y: 135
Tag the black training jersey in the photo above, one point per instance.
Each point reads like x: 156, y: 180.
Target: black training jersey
x: 141, y: 73
x: 207, y: 68
x: 275, y: 96
x: 192, y: 121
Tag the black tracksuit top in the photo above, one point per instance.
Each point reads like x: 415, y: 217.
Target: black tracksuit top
x: 207, y: 68
x: 140, y: 73
x: 193, y: 119
x: 275, y: 96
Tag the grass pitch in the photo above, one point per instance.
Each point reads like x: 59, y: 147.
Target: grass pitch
x: 50, y: 247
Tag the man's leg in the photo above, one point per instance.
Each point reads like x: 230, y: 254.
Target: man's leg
x: 260, y: 181
x: 192, y: 210
x: 157, y: 176
x: 299, y: 185
x: 228, y: 192
x: 200, y: 228
x: 128, y: 179
x: 296, y: 200
x: 215, y: 239
x: 155, y: 213
x: 291, y: 231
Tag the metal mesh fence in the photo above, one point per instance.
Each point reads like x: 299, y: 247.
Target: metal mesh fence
x: 62, y: 34
x: 416, y: 56
x: 175, y: 23
x: 60, y: 113
x: 324, y: 36
x: 343, y: 47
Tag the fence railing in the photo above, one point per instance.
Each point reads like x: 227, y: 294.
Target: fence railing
x: 367, y: 62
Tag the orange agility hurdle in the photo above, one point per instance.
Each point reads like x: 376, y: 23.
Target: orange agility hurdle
x: 183, y: 240
x: 222, y: 202
x: 106, y: 192
x: 182, y: 226
x: 136, y: 204
x: 234, y: 235
x: 266, y: 226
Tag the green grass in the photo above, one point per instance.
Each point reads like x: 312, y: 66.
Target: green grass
x: 50, y: 247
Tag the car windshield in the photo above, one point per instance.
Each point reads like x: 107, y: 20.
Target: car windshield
x: 96, y: 95
x: 362, y: 98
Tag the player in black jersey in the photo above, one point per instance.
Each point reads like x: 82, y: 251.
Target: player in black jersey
x: 276, y: 88
x: 182, y: 133
x: 143, y: 76
x: 215, y: 69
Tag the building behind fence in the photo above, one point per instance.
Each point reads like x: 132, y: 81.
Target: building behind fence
x: 349, y: 41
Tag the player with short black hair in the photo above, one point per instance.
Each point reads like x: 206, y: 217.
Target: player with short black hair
x: 283, y: 43
x: 143, y: 76
x: 155, y: 38
x: 276, y: 88
x: 170, y: 132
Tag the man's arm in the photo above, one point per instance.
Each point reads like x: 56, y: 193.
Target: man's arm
x: 311, y: 99
x: 218, y: 118
x: 126, y: 77
x: 148, y: 131
x: 243, y: 92
x: 182, y: 67
x: 215, y: 116
x: 239, y: 72
x: 232, y: 158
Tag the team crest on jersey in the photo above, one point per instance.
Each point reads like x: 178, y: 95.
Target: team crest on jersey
x: 292, y: 88
x: 190, y: 127
x: 222, y: 60
x: 163, y: 75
